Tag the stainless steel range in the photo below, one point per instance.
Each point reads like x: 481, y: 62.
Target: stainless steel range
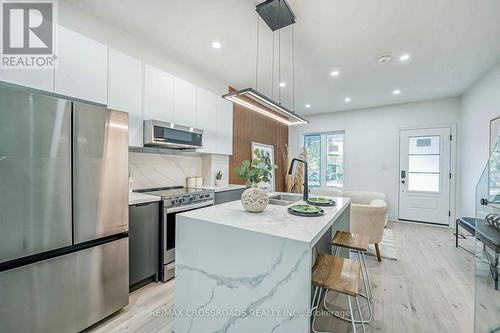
x: 176, y: 199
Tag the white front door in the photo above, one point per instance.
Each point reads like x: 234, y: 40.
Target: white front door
x: 424, y: 177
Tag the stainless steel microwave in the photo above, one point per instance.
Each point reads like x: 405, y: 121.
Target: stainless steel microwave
x: 169, y: 135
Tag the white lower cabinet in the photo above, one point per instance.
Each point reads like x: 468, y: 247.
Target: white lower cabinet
x: 82, y: 67
x: 125, y: 92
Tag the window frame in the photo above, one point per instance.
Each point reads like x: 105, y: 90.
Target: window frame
x: 324, y: 156
x: 321, y: 144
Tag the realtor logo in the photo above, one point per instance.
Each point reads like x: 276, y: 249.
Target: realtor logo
x: 27, y: 34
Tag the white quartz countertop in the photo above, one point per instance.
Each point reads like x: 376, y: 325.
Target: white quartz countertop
x: 229, y: 187
x: 135, y: 198
x: 274, y: 220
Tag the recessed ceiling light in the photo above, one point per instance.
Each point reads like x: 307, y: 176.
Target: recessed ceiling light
x: 347, y: 99
x: 307, y: 106
x: 216, y: 45
x: 282, y: 84
x: 405, y: 57
x: 396, y: 92
x: 335, y: 73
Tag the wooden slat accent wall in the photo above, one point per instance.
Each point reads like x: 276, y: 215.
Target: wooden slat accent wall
x: 250, y: 126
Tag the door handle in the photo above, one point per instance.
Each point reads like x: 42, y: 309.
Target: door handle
x: 403, y: 181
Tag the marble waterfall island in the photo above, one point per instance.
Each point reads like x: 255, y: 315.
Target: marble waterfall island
x: 249, y: 272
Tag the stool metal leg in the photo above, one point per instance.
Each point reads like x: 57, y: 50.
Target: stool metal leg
x: 364, y: 274
x: 352, y: 314
x: 315, y: 308
x: 360, y: 315
x: 324, y: 301
x: 363, y: 261
x: 368, y: 290
x: 314, y: 297
x: 366, y: 284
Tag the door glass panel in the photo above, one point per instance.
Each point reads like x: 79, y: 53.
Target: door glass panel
x: 312, y: 144
x: 424, y: 163
x: 427, y: 182
x: 423, y: 145
x: 335, y: 160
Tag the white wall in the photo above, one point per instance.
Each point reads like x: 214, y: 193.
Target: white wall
x: 372, y: 140
x: 211, y: 165
x: 99, y: 30
x: 480, y: 104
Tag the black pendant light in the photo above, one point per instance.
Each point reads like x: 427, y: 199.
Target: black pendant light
x: 277, y: 14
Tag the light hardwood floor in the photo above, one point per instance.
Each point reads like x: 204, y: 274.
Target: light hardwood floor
x: 429, y: 289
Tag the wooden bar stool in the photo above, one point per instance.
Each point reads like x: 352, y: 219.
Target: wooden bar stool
x: 340, y: 275
x: 359, y: 244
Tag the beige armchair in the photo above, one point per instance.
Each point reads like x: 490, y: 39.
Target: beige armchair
x: 369, y: 213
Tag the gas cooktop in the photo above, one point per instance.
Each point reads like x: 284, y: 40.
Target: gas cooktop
x: 172, y: 191
x: 176, y: 196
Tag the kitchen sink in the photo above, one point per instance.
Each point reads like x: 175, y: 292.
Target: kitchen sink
x: 284, y: 199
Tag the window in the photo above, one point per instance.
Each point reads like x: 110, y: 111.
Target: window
x: 312, y: 143
x: 326, y: 159
x: 423, y: 167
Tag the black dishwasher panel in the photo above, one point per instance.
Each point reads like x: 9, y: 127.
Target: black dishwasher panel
x: 227, y: 196
x: 144, y: 231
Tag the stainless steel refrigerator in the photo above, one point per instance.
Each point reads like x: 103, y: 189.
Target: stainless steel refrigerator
x: 63, y: 212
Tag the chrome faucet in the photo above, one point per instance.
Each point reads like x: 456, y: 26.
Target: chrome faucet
x: 306, y: 183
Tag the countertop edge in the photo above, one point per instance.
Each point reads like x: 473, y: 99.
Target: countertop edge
x: 217, y: 189
x: 140, y: 198
x: 310, y: 242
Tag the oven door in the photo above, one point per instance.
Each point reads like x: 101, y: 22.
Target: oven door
x: 169, y: 228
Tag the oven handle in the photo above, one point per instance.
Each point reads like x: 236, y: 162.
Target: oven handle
x: 189, y: 207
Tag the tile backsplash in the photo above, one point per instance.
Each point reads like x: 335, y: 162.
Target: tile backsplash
x: 156, y: 170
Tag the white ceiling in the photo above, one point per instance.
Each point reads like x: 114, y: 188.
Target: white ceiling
x: 452, y: 43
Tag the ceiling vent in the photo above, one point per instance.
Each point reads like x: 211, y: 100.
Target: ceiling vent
x: 384, y: 59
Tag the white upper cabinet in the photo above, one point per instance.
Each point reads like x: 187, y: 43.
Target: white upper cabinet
x: 82, y: 67
x: 207, y: 119
x: 224, y: 127
x: 125, y: 92
x: 184, y: 103
x: 158, y: 94
x: 42, y: 79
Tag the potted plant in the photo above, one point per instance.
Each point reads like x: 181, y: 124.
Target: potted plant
x: 218, y: 178
x: 254, y: 199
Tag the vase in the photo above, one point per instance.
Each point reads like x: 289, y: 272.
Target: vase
x: 254, y: 199
x: 218, y: 182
